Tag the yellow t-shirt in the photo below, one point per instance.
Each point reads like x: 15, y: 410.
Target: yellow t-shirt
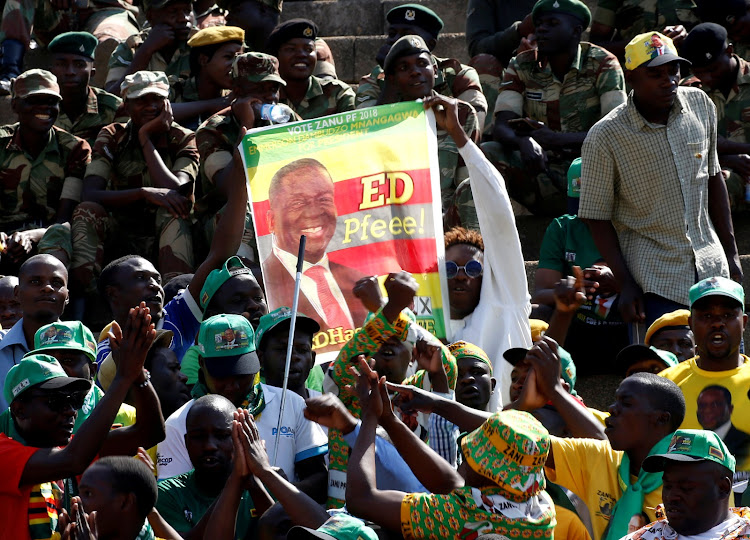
x: 569, y: 525
x: 588, y: 468
x: 692, y: 380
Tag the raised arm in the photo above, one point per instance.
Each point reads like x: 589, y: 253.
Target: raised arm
x: 51, y: 463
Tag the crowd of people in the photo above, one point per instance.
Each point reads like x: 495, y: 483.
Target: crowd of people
x: 124, y: 210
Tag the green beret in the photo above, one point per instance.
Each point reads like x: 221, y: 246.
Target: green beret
x: 80, y: 43
x: 569, y: 7
x: 291, y: 29
x: 405, y: 46
x: 417, y: 15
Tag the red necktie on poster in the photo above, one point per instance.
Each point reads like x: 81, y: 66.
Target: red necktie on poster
x: 335, y: 316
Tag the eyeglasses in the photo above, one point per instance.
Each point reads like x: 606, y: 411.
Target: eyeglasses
x: 473, y: 269
x: 60, y: 401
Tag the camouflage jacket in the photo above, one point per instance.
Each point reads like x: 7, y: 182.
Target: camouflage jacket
x: 102, y: 108
x: 118, y: 156
x: 454, y: 79
x: 594, y: 86
x: 324, y: 97
x: 177, y: 67
x: 32, y: 187
x: 633, y: 17
x: 733, y: 111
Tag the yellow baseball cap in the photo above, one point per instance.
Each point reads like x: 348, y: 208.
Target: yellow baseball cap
x: 651, y: 49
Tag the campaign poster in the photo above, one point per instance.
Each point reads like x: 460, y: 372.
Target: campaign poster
x: 363, y: 187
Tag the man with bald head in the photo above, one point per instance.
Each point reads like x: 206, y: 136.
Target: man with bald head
x: 302, y: 201
x: 185, y: 501
x: 10, y: 308
x: 42, y: 293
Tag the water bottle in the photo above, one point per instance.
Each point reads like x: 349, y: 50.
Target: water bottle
x: 276, y: 113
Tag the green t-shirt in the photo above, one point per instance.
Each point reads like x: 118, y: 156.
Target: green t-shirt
x: 182, y: 505
x: 125, y: 416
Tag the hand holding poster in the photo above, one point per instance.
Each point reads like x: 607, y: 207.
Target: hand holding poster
x: 363, y: 187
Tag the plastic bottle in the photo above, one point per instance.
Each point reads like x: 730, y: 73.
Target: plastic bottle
x: 276, y: 113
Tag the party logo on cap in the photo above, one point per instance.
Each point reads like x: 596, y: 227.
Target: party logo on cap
x: 230, y: 339
x: 707, y: 284
x: 716, y: 452
x: 655, y: 47
x: 17, y: 389
x: 410, y: 15
x: 54, y: 334
x: 680, y: 443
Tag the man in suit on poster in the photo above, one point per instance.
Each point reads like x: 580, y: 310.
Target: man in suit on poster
x: 301, y: 198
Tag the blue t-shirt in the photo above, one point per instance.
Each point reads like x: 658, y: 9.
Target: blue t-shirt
x: 181, y: 315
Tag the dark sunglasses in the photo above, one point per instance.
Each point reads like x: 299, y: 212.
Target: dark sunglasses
x: 60, y: 401
x: 473, y: 269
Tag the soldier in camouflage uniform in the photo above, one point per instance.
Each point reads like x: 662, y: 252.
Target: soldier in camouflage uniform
x: 616, y: 22
x: 725, y: 77
x: 733, y: 15
x: 410, y: 70
x: 112, y: 20
x: 255, y: 82
x: 161, y: 47
x: 206, y: 92
x: 84, y: 109
x: 549, y: 99
x: 138, y: 188
x: 293, y: 43
x: 41, y: 172
x: 454, y: 79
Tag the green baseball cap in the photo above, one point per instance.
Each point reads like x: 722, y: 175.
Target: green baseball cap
x: 39, y: 371
x: 692, y: 445
x: 283, y: 315
x: 33, y: 82
x: 80, y: 43
x: 71, y: 335
x: 575, y: 8
x: 637, y: 352
x: 227, y: 345
x: 340, y: 526
x: 717, y: 286
x: 256, y: 67
x: 574, y: 179
x: 142, y: 83
x: 232, y: 267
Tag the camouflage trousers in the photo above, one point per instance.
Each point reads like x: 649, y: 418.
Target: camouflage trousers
x: 458, y: 204
x: 20, y: 17
x: 249, y: 245
x: 99, y: 236
x: 543, y: 194
x: 490, y: 72
x: 57, y: 242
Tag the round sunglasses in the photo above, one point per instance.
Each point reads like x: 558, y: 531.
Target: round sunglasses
x: 473, y: 269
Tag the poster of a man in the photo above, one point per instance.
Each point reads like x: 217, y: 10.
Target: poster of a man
x: 301, y: 198
x: 715, y: 413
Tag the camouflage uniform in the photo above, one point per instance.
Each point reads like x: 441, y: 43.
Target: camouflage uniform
x: 118, y: 157
x: 454, y: 79
x: 733, y: 123
x: 593, y: 87
x: 177, y: 67
x: 324, y: 97
x: 101, y: 110
x: 633, y: 17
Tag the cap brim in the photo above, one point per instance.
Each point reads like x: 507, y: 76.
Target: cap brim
x: 43, y: 91
x: 632, y: 353
x: 515, y: 355
x: 146, y: 91
x: 305, y: 533
x: 58, y: 383
x: 657, y: 462
x: 717, y: 292
x: 227, y: 366
x: 665, y: 59
x: 304, y: 323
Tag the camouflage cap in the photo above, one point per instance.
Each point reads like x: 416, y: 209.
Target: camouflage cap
x: 141, y: 83
x: 80, y: 43
x: 256, y: 67
x: 35, y: 81
x: 291, y: 29
x: 405, y: 46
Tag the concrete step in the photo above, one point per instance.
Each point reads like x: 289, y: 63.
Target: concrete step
x: 355, y: 55
x: 367, y: 17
